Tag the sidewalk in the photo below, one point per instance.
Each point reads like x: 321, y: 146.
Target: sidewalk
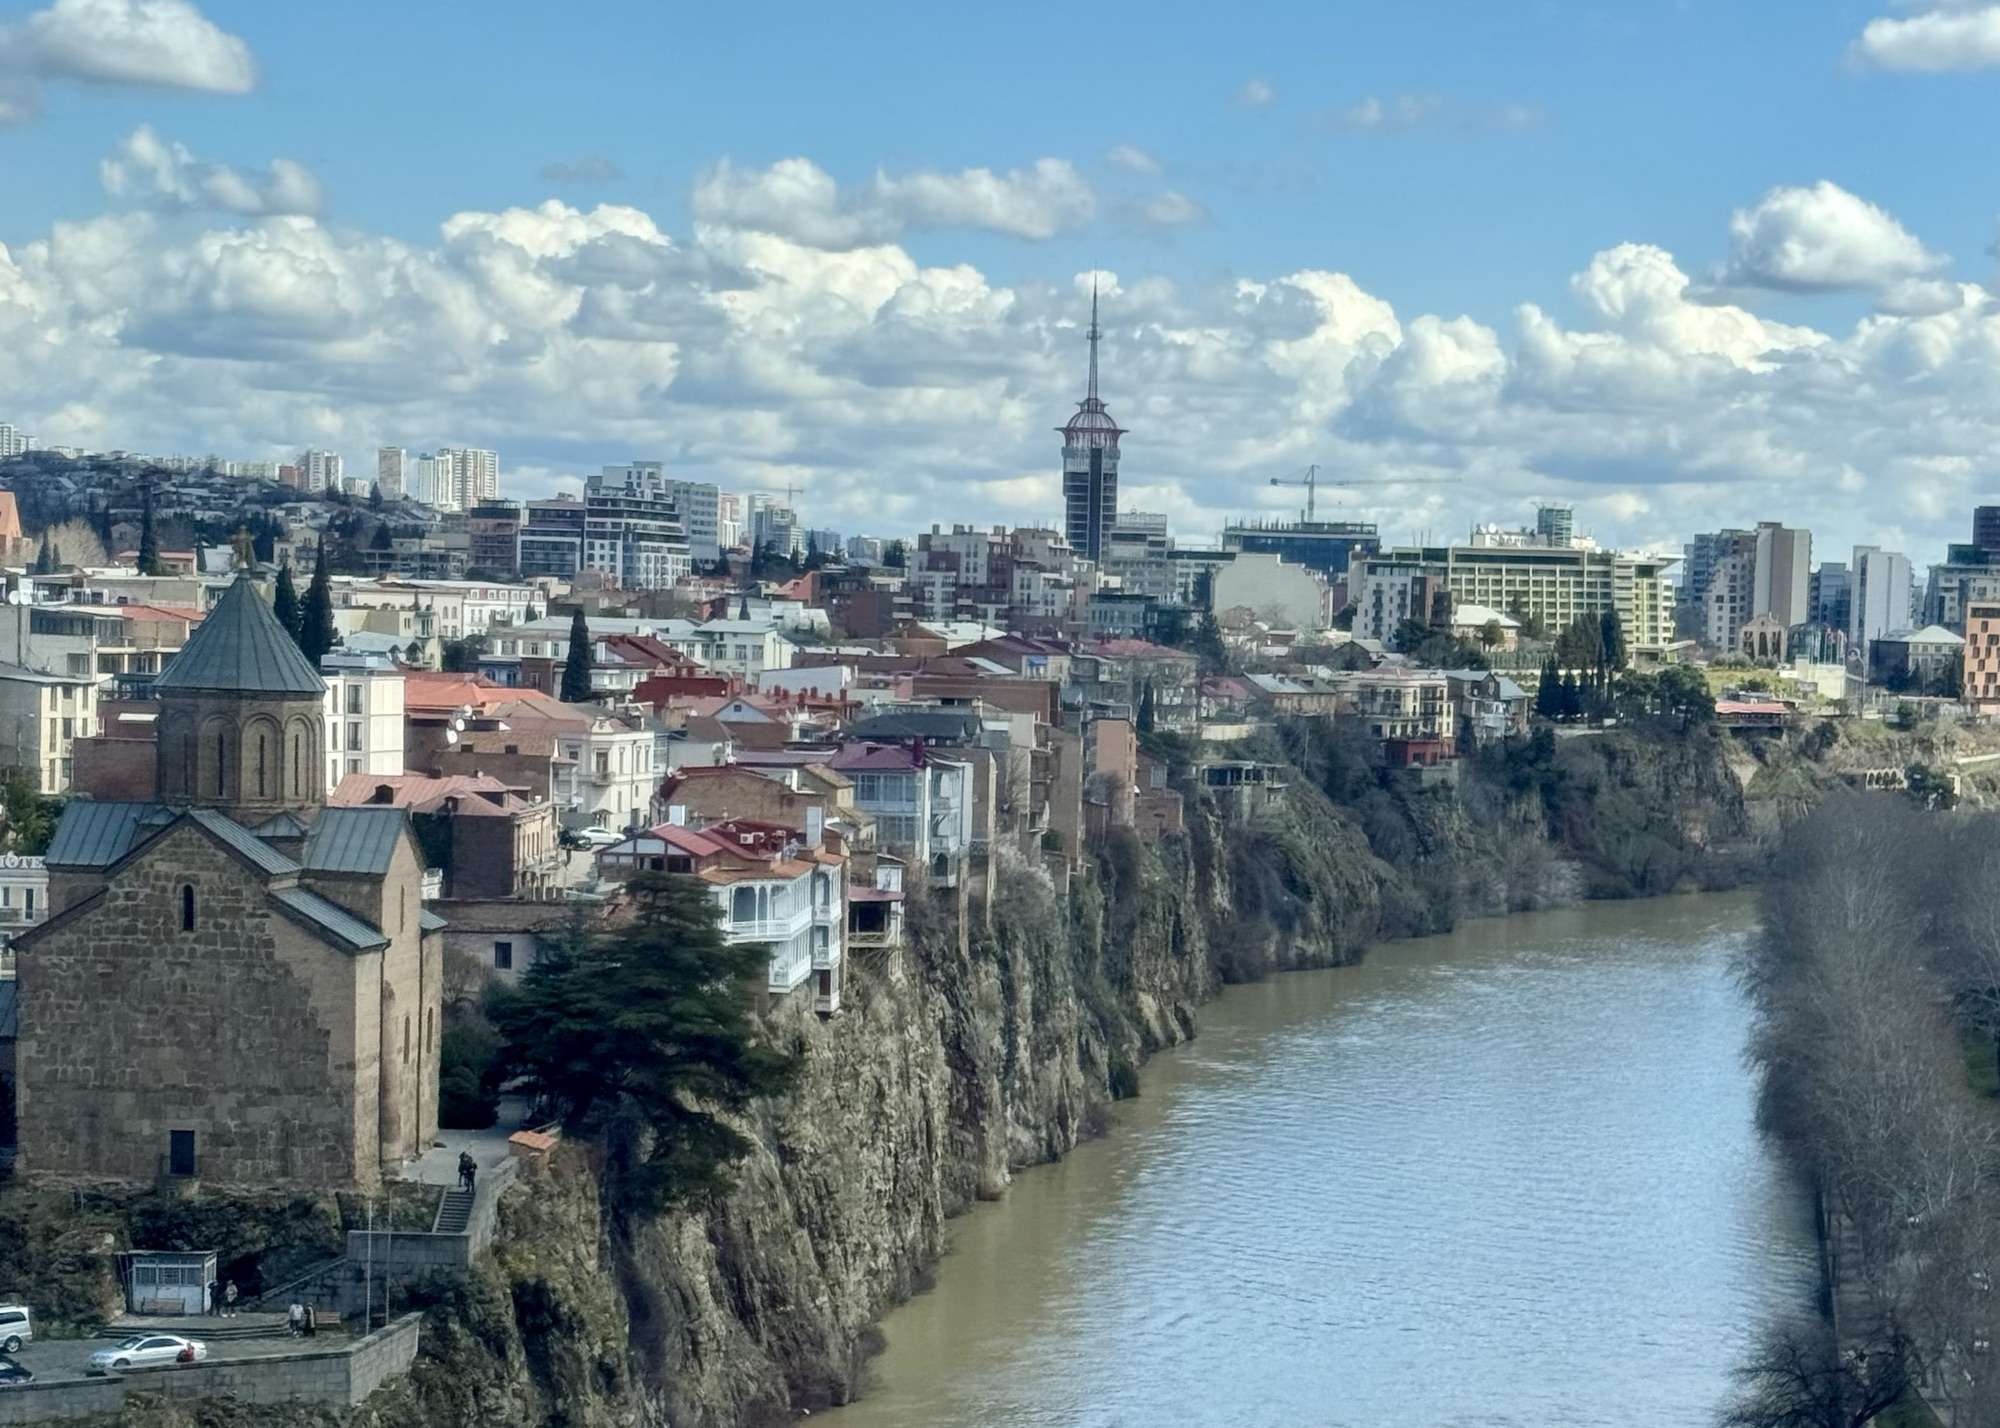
x: 438, y: 1165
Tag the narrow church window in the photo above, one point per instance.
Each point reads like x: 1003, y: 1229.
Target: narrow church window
x: 406, y: 1041
x: 221, y: 760
x: 295, y: 766
x: 187, y: 907
x: 260, y: 765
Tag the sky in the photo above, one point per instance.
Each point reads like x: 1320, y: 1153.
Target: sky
x: 1683, y: 264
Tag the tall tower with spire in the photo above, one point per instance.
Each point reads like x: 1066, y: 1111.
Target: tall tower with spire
x: 1090, y: 462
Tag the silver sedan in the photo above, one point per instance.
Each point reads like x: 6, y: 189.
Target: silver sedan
x: 148, y: 1351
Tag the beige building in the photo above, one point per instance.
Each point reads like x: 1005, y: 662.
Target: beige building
x: 41, y: 718
x: 1982, y: 656
x: 1557, y: 584
x: 236, y: 984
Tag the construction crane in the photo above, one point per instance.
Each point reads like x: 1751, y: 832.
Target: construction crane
x: 1312, y: 482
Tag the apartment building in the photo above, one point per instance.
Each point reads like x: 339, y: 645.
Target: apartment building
x: 1881, y: 597
x: 364, y: 716
x: 41, y: 717
x: 634, y: 533
x: 1982, y: 657
x: 550, y: 542
x: 1555, y: 586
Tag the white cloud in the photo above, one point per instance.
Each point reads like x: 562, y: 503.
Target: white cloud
x: 166, y: 44
x: 1174, y: 209
x: 1132, y: 159
x: 795, y: 198
x: 156, y: 172
x: 1257, y: 94
x: 1823, y: 239
x: 1404, y: 111
x: 1951, y: 37
x: 756, y: 354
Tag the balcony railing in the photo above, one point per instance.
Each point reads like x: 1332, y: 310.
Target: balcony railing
x: 769, y: 929
x: 826, y: 957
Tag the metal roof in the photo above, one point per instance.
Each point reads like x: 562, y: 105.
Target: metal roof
x: 241, y: 648
x: 281, y: 825
x: 96, y: 835
x: 330, y: 918
x: 354, y: 840
x: 918, y: 724
x: 234, y: 835
x: 430, y: 921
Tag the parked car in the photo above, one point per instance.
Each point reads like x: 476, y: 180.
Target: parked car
x: 148, y: 1351
x: 17, y: 1327
x: 12, y: 1375
x: 599, y: 837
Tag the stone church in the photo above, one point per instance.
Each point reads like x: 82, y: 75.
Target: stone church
x: 236, y: 984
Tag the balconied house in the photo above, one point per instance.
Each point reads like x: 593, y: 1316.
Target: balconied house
x: 920, y: 800
x: 1407, y: 712
x: 771, y: 888
x: 485, y: 838
x: 875, y: 903
x: 1487, y: 707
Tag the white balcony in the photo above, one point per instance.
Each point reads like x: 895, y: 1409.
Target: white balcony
x: 826, y: 955
x: 768, y: 929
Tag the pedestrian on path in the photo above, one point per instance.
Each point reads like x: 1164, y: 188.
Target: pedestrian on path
x: 214, y: 1298
x: 295, y: 1319
x: 229, y: 1300
x: 467, y: 1168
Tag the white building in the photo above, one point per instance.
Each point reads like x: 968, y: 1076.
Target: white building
x: 41, y: 718
x: 364, y: 716
x: 319, y: 470
x: 1268, y: 586
x: 614, y: 776
x: 634, y: 533
x: 14, y: 442
x: 392, y: 471
x: 700, y: 505
x: 24, y: 901
x: 1881, y: 597
x: 473, y: 474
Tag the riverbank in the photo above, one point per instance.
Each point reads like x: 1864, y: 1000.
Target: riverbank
x: 996, y: 1041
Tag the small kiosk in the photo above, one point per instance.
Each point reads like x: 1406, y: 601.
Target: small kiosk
x: 169, y: 1281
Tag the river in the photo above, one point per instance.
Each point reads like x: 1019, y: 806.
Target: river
x: 1504, y: 1177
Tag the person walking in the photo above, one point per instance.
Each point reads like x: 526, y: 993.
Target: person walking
x: 229, y: 1300
x: 215, y: 1298
x: 295, y: 1319
x: 467, y: 1168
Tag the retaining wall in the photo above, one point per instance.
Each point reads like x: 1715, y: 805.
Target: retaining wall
x: 342, y: 1377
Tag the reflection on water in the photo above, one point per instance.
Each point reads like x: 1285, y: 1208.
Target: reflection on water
x: 1506, y: 1177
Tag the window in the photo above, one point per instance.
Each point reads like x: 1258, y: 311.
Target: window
x: 430, y: 1027
x: 187, y: 907
x: 406, y: 1041
x: 28, y: 902
x: 503, y: 956
x: 353, y: 737
x: 221, y: 760
x: 354, y: 699
x: 295, y: 766
x: 261, y: 761
x: 180, y: 1151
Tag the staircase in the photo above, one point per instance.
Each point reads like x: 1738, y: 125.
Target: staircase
x: 454, y: 1213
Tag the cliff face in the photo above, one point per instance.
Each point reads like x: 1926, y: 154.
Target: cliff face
x: 989, y: 1045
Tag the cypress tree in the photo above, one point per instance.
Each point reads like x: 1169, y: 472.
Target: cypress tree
x: 576, y: 669
x: 1572, y: 697
x: 149, y: 545
x: 285, y: 603
x: 1548, y: 694
x: 45, y: 558
x: 316, y: 629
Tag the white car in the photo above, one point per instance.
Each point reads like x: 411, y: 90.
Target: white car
x: 148, y: 1351
x: 600, y: 837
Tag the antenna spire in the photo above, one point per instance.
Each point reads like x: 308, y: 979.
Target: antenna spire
x: 1093, y: 334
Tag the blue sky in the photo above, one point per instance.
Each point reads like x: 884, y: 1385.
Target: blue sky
x: 1450, y: 159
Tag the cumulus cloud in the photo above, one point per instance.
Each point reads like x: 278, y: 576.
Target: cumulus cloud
x: 1944, y: 37
x: 1174, y: 209
x: 795, y: 198
x: 165, y: 44
x: 593, y: 168
x: 753, y: 353
x: 1257, y: 94
x: 156, y: 172
x: 1404, y: 111
x: 1825, y: 239
x: 1132, y: 159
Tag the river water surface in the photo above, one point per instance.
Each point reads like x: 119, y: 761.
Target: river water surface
x: 1505, y: 1177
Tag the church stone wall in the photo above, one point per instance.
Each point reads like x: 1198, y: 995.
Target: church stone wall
x: 243, y: 1031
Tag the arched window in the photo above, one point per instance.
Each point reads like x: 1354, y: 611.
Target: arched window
x: 746, y: 906
x: 263, y: 758
x: 187, y: 907
x: 221, y: 761
x: 295, y: 766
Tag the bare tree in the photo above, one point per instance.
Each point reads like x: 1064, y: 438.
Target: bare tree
x: 1799, y: 1378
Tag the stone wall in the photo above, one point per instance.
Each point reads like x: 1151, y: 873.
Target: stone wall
x: 338, y: 1378
x: 132, y: 1028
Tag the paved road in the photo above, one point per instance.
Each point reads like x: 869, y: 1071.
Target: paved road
x: 69, y: 1358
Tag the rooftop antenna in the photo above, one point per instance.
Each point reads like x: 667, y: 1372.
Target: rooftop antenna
x: 1093, y: 335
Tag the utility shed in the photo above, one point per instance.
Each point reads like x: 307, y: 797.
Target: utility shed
x: 169, y: 1281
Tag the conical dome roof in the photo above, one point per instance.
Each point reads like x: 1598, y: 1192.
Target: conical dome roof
x: 242, y: 649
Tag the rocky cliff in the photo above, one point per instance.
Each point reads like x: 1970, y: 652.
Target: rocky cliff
x: 989, y: 1045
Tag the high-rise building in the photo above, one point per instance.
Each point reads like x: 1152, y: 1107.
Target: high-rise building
x: 633, y: 532
x: 1881, y: 598
x: 1557, y: 586
x: 1090, y: 463
x: 493, y: 531
x: 1830, y: 595
x: 1734, y: 576
x: 1783, y: 574
x: 700, y: 505
x: 774, y: 525
x: 1326, y: 546
x: 319, y: 470
x: 1555, y: 525
x: 14, y: 442
x: 472, y: 474
x: 551, y: 538
x: 1985, y: 527
x: 392, y: 472
x: 731, y: 522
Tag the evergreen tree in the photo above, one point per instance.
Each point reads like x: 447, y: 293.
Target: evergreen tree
x: 576, y: 669
x: 1572, y: 698
x: 646, y: 1037
x: 1147, y: 714
x: 1208, y: 644
x: 316, y: 628
x: 1611, y: 639
x: 45, y: 558
x: 1548, y: 694
x: 375, y: 497
x: 149, y: 545
x: 285, y: 603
